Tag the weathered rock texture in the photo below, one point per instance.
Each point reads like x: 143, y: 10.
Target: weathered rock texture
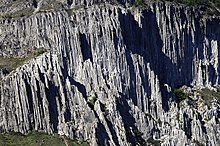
x: 109, y: 73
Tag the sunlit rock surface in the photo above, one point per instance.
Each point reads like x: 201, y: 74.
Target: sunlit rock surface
x: 109, y: 72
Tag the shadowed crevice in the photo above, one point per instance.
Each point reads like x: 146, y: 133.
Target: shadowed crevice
x: 85, y: 47
x: 127, y: 118
x: 81, y: 88
x: 102, y: 135
x: 51, y: 97
x: 212, y: 34
x: 146, y: 41
x: 34, y: 3
x: 187, y: 125
x: 69, y: 2
x: 30, y: 102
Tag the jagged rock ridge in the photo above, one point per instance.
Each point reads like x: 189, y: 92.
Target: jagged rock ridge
x: 109, y: 74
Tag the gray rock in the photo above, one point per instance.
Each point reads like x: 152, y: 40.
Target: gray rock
x: 109, y: 72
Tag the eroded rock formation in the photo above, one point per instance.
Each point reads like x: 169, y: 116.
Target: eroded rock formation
x: 109, y: 72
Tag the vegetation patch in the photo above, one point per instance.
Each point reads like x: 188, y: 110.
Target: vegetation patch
x: 91, y: 102
x: 197, y: 142
x: 50, y: 6
x: 180, y: 94
x: 11, y: 63
x: 37, y: 139
x: 190, y: 2
x: 39, y: 52
x: 138, y: 2
x: 21, y: 13
x: 69, y: 12
x: 46, y: 8
x: 214, y: 3
x: 208, y: 95
x: 211, y: 7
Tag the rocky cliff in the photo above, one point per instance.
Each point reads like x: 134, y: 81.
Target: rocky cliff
x: 110, y: 70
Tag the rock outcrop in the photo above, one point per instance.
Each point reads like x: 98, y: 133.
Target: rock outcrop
x: 109, y: 73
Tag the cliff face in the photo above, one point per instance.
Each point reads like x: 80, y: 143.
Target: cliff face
x: 109, y: 73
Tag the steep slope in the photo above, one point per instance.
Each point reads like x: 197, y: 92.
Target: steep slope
x: 109, y: 73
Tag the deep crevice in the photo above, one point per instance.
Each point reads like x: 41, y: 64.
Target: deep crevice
x: 34, y: 3
x: 69, y: 2
x: 85, y: 47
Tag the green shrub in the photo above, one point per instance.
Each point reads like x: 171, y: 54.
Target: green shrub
x: 39, y: 51
x: 208, y: 95
x: 180, y: 94
x: 138, y: 2
x: 91, y: 102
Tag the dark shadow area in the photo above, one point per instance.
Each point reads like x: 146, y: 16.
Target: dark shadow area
x: 127, y: 118
x: 146, y: 41
x: 41, y: 75
x: 155, y: 130
x: 113, y: 133
x: 165, y: 98
x: 51, y: 97
x: 67, y: 114
x: 213, y: 33
x: 53, y: 119
x: 202, y: 124
x: 69, y: 2
x: 102, y: 135
x: 34, y: 3
x: 4, y: 71
x: 187, y: 125
x: 123, y: 2
x: 81, y: 88
x: 30, y: 102
x: 85, y: 47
